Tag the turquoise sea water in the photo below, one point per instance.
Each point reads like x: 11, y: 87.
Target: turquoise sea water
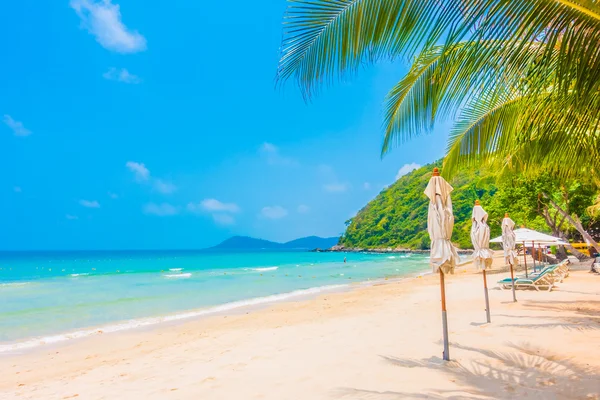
x: 48, y: 297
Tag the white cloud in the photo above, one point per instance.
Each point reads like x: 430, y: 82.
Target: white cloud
x: 336, y: 187
x: 103, y: 20
x: 161, y: 210
x: 273, y: 212
x: 223, y: 219
x: 142, y: 175
x: 71, y: 217
x: 164, y: 187
x: 366, y: 186
x: 89, y: 203
x: 17, y: 189
x: 121, y: 75
x: 273, y: 156
x: 221, y: 212
x: 406, y: 168
x: 16, y: 126
x: 303, y: 209
x: 214, y: 205
x: 113, y: 195
x: 139, y: 169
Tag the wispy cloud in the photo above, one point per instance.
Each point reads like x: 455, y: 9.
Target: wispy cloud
x: 16, y: 126
x: 17, y: 189
x: 160, y: 210
x: 336, y: 187
x: 273, y: 156
x: 113, y: 195
x: 142, y: 175
x: 89, y: 203
x: 121, y: 75
x: 332, y: 183
x: 214, y: 205
x: 103, y: 20
x: 303, y: 209
x: 406, y: 168
x: 366, y: 186
x: 223, y: 219
x: 273, y: 212
x: 221, y: 212
x: 164, y: 187
x: 71, y: 217
x: 139, y: 169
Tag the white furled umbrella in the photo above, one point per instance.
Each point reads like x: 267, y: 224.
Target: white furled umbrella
x: 440, y: 222
x: 509, y: 240
x: 482, y: 255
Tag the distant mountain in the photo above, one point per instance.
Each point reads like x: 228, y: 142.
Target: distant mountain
x: 312, y: 242
x: 249, y: 243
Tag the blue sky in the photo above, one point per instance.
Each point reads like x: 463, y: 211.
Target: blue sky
x: 132, y: 126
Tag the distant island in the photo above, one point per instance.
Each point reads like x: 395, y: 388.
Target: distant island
x: 249, y: 243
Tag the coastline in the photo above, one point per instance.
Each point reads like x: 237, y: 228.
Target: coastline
x: 379, y: 341
x: 381, y: 250
x: 249, y: 304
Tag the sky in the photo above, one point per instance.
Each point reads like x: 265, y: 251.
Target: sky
x: 125, y: 125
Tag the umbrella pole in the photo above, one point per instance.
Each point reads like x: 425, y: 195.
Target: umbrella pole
x: 525, y: 259
x: 512, y: 278
x: 446, y: 354
x: 487, y: 299
x: 533, y: 255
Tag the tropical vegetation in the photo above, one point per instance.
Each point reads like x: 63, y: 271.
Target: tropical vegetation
x: 520, y: 78
x: 397, y: 217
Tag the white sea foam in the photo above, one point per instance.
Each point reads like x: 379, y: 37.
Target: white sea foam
x: 144, y: 322
x: 76, y: 275
x: 175, y: 269
x: 14, y: 284
x: 392, y: 257
x: 187, y: 275
x: 264, y: 269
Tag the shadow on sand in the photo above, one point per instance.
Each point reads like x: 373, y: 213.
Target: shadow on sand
x: 525, y: 370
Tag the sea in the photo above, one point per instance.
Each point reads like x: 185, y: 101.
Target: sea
x: 50, y: 297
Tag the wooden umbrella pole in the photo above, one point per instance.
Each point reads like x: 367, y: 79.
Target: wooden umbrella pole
x: 525, y: 259
x: 487, y: 299
x: 446, y: 354
x: 512, y: 278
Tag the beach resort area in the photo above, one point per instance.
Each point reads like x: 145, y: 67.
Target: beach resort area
x: 300, y: 200
x: 381, y: 341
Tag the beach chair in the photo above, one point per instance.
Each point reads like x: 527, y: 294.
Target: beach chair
x: 542, y: 281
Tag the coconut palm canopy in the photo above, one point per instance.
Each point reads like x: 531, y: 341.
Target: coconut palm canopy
x: 520, y: 77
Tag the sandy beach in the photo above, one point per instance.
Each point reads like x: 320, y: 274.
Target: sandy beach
x: 379, y: 342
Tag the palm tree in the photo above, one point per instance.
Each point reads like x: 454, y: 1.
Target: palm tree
x: 520, y: 77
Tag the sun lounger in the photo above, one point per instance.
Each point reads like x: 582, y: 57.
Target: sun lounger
x: 542, y: 281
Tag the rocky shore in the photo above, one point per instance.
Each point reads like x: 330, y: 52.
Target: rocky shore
x: 397, y: 250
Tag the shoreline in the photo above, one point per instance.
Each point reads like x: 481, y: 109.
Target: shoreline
x: 381, y: 250
x: 145, y: 323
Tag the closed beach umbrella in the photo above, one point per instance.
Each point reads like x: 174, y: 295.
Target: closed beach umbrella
x: 482, y: 255
x: 440, y: 222
x: 509, y: 241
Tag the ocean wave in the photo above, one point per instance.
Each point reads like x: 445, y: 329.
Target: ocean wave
x: 187, y: 275
x: 264, y: 269
x: 175, y: 269
x: 144, y: 322
x: 76, y: 275
x: 14, y: 284
x: 392, y: 257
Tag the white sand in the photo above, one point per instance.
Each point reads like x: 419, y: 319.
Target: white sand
x: 376, y: 343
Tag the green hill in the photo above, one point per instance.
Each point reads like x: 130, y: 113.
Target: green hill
x: 397, y: 217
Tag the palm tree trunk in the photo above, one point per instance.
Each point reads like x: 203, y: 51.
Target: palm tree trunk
x: 576, y: 223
